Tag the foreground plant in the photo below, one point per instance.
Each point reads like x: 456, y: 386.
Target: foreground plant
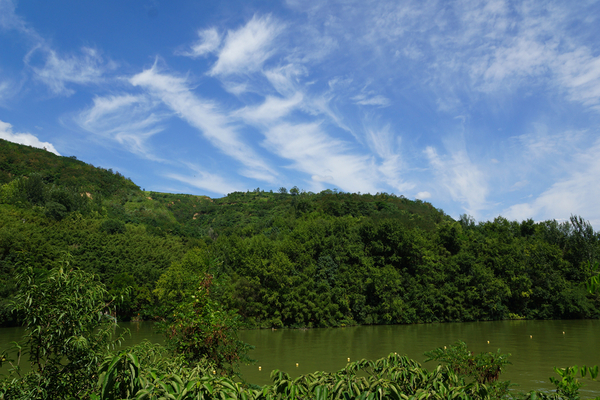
x: 483, y: 367
x: 67, y: 316
x: 201, y: 329
x: 391, y: 377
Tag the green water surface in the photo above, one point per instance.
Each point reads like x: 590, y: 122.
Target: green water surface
x: 536, y: 347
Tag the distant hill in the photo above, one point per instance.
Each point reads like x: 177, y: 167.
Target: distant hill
x: 286, y: 258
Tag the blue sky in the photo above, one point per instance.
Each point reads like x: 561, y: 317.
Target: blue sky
x: 480, y: 107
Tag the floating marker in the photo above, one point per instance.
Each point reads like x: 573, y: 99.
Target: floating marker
x: 488, y: 342
x: 348, y: 359
x: 444, y: 347
x: 563, y: 332
x: 296, y: 364
x: 259, y: 368
x: 530, y: 336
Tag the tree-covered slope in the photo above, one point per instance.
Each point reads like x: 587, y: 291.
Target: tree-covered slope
x: 287, y: 259
x: 17, y: 160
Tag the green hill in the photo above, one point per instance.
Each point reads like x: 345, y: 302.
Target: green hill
x: 286, y: 259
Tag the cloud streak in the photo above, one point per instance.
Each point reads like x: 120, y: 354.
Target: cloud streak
x: 577, y: 193
x: 206, y: 181
x: 209, y: 42
x: 50, y: 67
x: 246, y: 49
x: 84, y: 69
x: 205, y: 116
x: 463, y: 180
x: 325, y: 159
x: 130, y: 120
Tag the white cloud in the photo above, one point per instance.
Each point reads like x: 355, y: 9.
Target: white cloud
x: 9, y: 20
x: 285, y: 79
x: 465, y: 182
x: 320, y: 178
x: 246, y: 49
x: 378, y: 100
x: 57, y: 71
x: 127, y: 119
x: 207, y: 181
x: 205, y: 116
x: 235, y: 88
x: 521, y: 57
x: 209, y: 42
x: 272, y: 109
x: 386, y: 145
x: 577, y: 193
x: 519, y: 185
x: 28, y: 139
x: 462, y: 49
x: 47, y: 65
x: 315, y: 153
x: 6, y: 90
x: 423, y: 195
x: 381, y: 141
x: 579, y: 72
x: 543, y: 154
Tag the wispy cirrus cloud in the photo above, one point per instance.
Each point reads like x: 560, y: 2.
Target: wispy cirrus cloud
x: 463, y: 180
x: 205, y: 181
x: 130, y: 120
x: 577, y: 193
x: 466, y: 48
x: 4, y: 88
x: 8, y: 89
x: 48, y: 65
x: 10, y: 20
x: 285, y: 79
x: 385, y: 144
x: 205, y: 116
x: 322, y: 157
x: 57, y: 71
x: 28, y: 139
x: 579, y: 73
x: 246, y: 49
x: 209, y: 42
x: 272, y: 109
x: 376, y: 100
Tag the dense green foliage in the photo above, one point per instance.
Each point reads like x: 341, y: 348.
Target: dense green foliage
x: 202, y: 330
x: 17, y: 160
x: 67, y: 313
x: 392, y: 377
x: 483, y: 368
x: 295, y: 259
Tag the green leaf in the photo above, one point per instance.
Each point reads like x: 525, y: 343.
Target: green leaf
x: 593, y: 371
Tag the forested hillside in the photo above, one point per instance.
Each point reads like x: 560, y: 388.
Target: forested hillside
x: 296, y: 258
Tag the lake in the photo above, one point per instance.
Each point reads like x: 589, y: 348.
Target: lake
x: 536, y: 347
